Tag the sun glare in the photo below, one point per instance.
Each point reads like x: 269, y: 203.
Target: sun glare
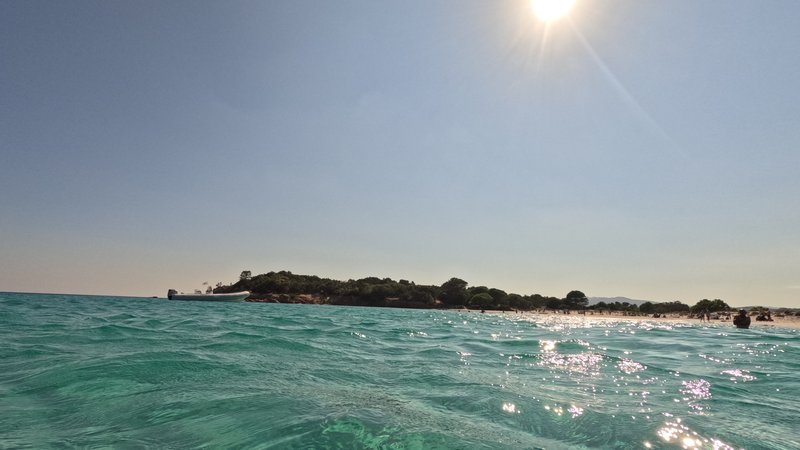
x: 551, y: 10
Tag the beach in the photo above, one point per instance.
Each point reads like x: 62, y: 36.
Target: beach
x: 792, y: 322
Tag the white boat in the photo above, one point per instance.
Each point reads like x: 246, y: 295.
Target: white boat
x: 172, y: 294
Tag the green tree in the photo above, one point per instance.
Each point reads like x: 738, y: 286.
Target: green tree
x: 553, y: 303
x: 535, y: 301
x: 417, y: 296
x: 454, y: 292
x: 500, y: 297
x: 600, y: 306
x: 718, y: 305
x: 671, y: 307
x: 245, y: 275
x: 475, y: 290
x: 482, y: 301
x: 576, y: 300
x: 517, y: 301
x: 706, y: 305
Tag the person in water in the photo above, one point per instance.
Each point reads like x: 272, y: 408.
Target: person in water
x: 742, y: 320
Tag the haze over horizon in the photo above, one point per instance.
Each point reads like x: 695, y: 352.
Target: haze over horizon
x: 643, y: 149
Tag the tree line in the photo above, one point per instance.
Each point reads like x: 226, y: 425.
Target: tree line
x: 453, y: 293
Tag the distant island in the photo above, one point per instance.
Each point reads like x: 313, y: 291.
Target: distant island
x: 286, y: 287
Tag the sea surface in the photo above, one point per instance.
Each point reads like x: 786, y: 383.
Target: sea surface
x: 119, y: 372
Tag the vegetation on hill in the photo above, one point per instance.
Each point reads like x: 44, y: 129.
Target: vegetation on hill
x: 286, y: 287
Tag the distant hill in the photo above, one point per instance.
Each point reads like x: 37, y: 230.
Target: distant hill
x: 771, y: 308
x: 595, y: 300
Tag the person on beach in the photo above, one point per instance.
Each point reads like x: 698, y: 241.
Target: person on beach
x: 742, y: 320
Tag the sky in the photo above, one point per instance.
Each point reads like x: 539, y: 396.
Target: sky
x: 646, y: 149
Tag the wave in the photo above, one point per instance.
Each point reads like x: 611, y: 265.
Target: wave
x: 180, y: 374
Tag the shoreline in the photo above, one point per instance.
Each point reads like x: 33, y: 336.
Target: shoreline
x: 791, y: 322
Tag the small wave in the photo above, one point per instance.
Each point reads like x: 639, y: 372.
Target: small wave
x: 142, y: 373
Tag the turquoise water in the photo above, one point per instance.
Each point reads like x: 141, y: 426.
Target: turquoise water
x: 79, y: 371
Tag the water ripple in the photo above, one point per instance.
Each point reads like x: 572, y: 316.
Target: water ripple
x: 99, y: 371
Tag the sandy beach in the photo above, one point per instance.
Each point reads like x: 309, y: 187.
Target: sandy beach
x: 779, y: 322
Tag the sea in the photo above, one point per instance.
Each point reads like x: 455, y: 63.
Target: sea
x: 122, y: 372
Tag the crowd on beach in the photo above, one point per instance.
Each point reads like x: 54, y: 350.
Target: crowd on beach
x: 743, y: 319
x: 761, y: 316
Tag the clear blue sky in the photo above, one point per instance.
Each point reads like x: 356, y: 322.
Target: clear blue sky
x: 648, y: 149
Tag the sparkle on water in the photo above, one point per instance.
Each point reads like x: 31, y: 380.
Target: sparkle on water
x: 125, y: 372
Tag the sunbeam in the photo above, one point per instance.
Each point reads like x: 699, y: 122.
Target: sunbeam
x: 627, y: 97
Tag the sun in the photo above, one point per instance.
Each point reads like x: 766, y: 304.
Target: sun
x: 551, y: 10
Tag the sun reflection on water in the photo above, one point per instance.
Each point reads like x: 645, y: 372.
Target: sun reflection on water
x: 675, y: 432
x: 630, y: 366
x: 510, y: 408
x: 575, y: 372
x: 587, y: 363
x: 738, y: 374
x: 547, y: 346
x: 575, y: 411
x: 696, y: 390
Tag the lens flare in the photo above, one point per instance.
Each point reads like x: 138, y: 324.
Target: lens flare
x: 551, y: 10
